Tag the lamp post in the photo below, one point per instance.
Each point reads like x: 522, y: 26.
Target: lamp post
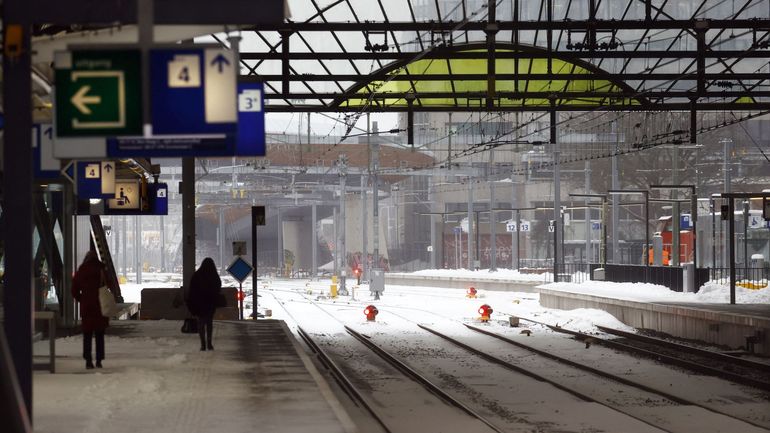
x: 646, y: 195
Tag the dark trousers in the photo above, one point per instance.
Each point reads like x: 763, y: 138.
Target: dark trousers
x: 205, y: 329
x: 99, y: 345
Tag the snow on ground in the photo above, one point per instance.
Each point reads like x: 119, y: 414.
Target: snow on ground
x: 146, y: 377
x: 481, y: 274
x: 642, y: 292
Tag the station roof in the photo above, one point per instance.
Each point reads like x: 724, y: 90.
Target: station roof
x: 349, y: 55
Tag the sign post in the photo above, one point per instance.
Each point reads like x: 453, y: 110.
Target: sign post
x: 240, y: 270
x: 257, y: 219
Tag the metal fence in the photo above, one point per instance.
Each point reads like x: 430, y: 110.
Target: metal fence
x: 746, y: 275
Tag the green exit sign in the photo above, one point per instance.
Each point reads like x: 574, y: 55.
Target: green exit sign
x: 98, y: 93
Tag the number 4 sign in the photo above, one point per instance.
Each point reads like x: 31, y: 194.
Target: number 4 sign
x: 184, y: 71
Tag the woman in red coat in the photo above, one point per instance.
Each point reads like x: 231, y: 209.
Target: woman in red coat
x: 85, y: 289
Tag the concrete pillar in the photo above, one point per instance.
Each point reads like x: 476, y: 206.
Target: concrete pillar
x: 589, y: 250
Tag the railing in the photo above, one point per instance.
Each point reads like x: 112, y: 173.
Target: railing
x: 573, y: 272
x: 742, y: 274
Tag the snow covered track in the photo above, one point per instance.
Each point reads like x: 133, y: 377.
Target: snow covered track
x: 718, y: 356
x: 386, y: 391
x: 740, y: 423
x: 578, y: 388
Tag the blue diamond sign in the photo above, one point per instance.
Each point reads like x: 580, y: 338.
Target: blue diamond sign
x: 240, y: 269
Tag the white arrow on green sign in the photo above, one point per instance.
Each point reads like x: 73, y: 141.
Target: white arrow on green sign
x: 98, y: 93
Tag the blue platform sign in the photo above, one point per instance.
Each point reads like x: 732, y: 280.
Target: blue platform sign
x: 193, y: 91
x: 240, y: 269
x: 684, y: 222
x: 251, y: 120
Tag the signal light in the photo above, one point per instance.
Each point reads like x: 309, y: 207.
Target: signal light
x: 485, y: 311
x: 371, y: 312
x: 357, y: 273
x: 240, y: 296
x: 471, y: 293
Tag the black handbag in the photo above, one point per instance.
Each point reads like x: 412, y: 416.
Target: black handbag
x: 190, y: 326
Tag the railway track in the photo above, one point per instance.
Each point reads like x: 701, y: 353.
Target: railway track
x: 731, y: 368
x: 592, y: 371
x: 359, y: 387
x: 626, y: 389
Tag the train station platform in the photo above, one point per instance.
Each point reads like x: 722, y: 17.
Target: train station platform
x: 156, y: 379
x: 735, y: 326
x: 486, y: 283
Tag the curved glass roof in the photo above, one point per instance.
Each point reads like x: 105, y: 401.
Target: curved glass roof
x: 479, y: 67
x: 339, y: 45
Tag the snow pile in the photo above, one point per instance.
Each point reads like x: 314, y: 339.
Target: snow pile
x: 719, y: 293
x: 643, y: 292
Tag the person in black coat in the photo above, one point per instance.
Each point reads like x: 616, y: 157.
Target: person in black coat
x: 202, y: 299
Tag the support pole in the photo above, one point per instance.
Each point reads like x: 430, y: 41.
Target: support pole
x: 375, y: 205
x: 221, y: 238
x: 558, y: 258
x: 343, y: 251
x: 138, y: 248
x: 188, y: 221
x: 492, y: 205
x: 18, y: 302
x: 731, y: 246
x: 615, y: 186
x: 589, y: 250
x: 675, y: 212
x: 314, y: 240
x: 364, y: 230
x: 433, y: 243
x: 470, y: 224
x: 255, y: 261
x: 162, y: 243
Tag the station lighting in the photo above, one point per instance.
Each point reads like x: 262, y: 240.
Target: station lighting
x: 471, y: 293
x: 371, y: 312
x: 485, y: 311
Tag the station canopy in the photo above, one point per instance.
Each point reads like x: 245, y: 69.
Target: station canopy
x: 474, y: 55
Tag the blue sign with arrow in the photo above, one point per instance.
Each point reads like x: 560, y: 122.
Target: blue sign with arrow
x: 240, y: 269
x: 193, y: 91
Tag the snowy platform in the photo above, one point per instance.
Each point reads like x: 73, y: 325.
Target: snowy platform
x: 716, y: 323
x: 503, y: 280
x: 156, y: 379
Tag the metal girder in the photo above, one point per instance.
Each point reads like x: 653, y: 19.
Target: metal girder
x: 446, y: 53
x: 243, y: 12
x: 683, y: 106
x: 567, y: 95
x: 523, y: 76
x: 543, y: 25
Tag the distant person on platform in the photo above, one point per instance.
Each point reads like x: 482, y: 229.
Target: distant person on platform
x: 85, y: 289
x: 204, y: 298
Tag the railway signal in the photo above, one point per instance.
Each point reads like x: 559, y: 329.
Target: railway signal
x: 357, y: 273
x: 471, y: 293
x: 371, y: 312
x: 485, y: 311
